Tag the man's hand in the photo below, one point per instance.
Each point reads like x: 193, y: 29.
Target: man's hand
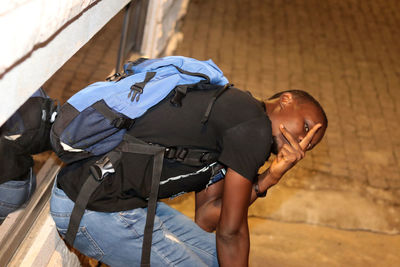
x: 290, y: 153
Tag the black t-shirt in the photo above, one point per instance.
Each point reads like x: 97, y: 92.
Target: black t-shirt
x: 238, y: 128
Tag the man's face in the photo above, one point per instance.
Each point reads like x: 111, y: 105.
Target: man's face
x: 298, y: 119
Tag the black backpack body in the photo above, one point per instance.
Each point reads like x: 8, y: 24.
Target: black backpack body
x: 26, y: 133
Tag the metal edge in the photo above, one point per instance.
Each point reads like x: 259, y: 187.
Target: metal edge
x: 19, y: 230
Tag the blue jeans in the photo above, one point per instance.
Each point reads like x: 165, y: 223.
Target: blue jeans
x: 115, y: 238
x: 13, y: 194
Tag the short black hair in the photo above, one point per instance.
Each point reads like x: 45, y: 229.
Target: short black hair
x: 303, y: 96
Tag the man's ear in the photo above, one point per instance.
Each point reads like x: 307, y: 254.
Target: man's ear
x: 285, y: 99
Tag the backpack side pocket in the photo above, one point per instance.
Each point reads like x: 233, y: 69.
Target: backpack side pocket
x: 94, y: 131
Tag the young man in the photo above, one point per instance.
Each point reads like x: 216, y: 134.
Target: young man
x: 241, y: 130
x: 298, y: 124
x: 301, y: 114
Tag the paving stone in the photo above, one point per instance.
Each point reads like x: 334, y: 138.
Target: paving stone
x: 376, y: 176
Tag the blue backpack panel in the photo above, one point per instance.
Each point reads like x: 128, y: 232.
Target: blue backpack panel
x: 94, y: 120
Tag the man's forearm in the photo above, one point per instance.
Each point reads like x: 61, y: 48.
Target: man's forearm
x: 233, y: 249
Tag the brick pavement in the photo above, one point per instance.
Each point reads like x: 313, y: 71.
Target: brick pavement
x: 345, y: 53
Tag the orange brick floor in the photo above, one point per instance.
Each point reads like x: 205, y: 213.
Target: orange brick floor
x: 346, y: 53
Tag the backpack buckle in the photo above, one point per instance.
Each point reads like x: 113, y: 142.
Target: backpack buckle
x: 113, y: 77
x: 181, y: 154
x: 176, y: 153
x: 170, y: 152
x: 137, y: 88
x: 180, y: 93
x: 136, y: 91
x: 206, y: 158
x: 123, y: 123
x: 101, y: 168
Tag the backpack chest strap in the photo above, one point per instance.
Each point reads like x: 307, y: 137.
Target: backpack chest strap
x: 190, y: 156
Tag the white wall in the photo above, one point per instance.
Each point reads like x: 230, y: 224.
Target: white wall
x: 29, y: 69
x: 161, y: 21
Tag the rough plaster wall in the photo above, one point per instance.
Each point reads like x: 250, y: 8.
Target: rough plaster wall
x: 42, y: 61
x: 161, y: 23
x: 34, y: 21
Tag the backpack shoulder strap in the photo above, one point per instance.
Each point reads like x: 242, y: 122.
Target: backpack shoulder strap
x: 212, y: 102
x: 99, y: 171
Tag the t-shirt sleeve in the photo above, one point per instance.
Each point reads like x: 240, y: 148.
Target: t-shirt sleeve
x: 246, y: 146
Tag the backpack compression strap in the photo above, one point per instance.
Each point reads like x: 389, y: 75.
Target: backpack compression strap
x: 212, y: 102
x: 158, y: 156
x: 119, y: 121
x: 191, y: 156
x: 137, y: 88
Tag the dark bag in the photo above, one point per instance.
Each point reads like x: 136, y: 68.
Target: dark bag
x: 28, y: 128
x: 94, y: 129
x: 26, y: 133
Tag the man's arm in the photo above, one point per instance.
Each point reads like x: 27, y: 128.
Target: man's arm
x: 232, y: 233
x: 208, y: 206
x: 208, y: 201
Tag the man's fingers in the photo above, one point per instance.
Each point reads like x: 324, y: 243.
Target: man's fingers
x: 288, y: 153
x: 292, y: 141
x: 293, y: 153
x: 283, y: 152
x: 309, y: 136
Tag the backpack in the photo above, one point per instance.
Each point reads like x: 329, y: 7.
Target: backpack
x: 26, y: 133
x: 94, y: 120
x: 29, y: 127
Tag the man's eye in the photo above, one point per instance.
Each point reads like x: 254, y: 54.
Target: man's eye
x: 306, y: 127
